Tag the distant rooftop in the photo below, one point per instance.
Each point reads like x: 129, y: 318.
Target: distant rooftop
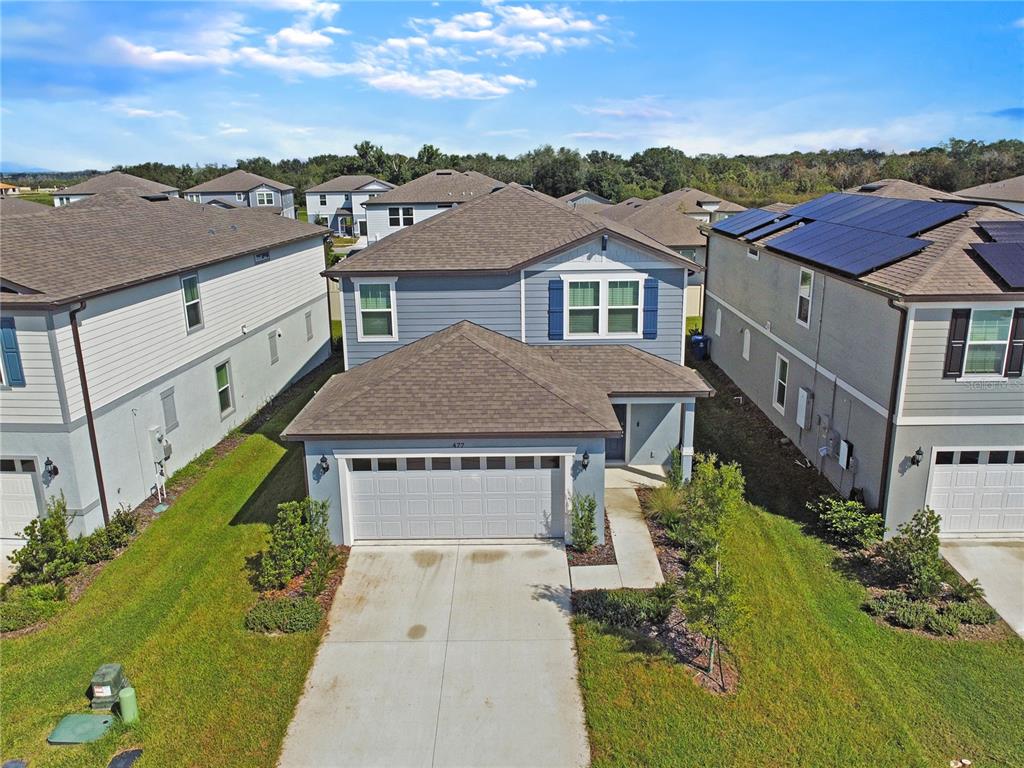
x: 238, y: 181
x: 117, y: 180
x: 443, y: 186
x: 347, y: 184
x: 1010, y: 190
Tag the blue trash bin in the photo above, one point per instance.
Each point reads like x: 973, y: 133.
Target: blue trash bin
x: 699, y: 346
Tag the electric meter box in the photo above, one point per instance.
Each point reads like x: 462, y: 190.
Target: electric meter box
x: 107, y: 683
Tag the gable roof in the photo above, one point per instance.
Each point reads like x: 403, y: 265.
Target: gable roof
x: 238, y: 181
x: 482, y: 383
x: 1010, y: 190
x: 441, y: 186
x: 667, y: 218
x: 499, y: 232
x: 347, y: 184
x: 107, y: 182
x: 572, y: 196
x: 11, y: 205
x: 906, y: 190
x: 112, y: 241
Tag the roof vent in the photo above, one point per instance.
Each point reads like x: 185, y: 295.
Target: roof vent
x: 212, y: 231
x: 872, y: 187
x: 234, y: 227
x: 444, y: 173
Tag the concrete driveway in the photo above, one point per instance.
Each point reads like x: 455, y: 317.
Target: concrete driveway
x: 445, y: 655
x: 999, y: 568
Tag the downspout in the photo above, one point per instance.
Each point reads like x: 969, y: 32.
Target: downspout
x: 704, y: 293
x: 90, y: 422
x: 890, y: 425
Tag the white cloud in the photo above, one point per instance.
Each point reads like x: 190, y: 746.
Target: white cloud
x: 226, y: 129
x: 1019, y: 23
x: 150, y: 57
x: 642, y: 107
x: 129, y: 111
x: 447, y: 83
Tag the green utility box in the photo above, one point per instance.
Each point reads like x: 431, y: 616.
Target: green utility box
x: 106, y: 684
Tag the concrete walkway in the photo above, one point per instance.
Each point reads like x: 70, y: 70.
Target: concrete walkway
x: 445, y: 655
x: 636, y: 564
x: 999, y: 568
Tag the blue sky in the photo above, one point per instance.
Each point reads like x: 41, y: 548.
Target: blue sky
x: 95, y: 84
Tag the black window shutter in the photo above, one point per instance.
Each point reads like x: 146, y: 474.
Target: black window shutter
x: 1015, y: 357
x: 956, y: 346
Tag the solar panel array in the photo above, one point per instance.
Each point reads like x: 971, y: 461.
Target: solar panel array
x: 747, y: 221
x: 1005, y: 259
x: 1007, y: 231
x: 770, y: 229
x: 880, y: 214
x: 850, y: 250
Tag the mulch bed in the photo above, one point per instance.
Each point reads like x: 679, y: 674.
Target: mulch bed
x: 326, y: 598
x: 602, y: 554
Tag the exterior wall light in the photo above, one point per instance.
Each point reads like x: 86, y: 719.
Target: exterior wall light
x: 585, y: 461
x: 49, y: 468
x: 324, y: 464
x: 917, y: 458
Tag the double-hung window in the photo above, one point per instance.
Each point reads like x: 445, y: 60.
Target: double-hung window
x: 803, y: 300
x: 781, y: 383
x: 193, y: 306
x: 225, y: 397
x: 603, y: 307
x: 584, y: 308
x: 394, y: 217
x: 375, y: 313
x: 192, y: 197
x: 624, y: 306
x: 239, y: 197
x: 407, y: 217
x: 987, y: 341
x: 323, y: 199
x: 264, y: 198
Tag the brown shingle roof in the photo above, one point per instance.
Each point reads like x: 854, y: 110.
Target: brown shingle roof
x: 905, y: 190
x: 666, y: 218
x: 116, y: 180
x: 583, y: 193
x: 111, y: 241
x: 347, y: 184
x: 620, y: 370
x: 238, y: 181
x: 481, y: 383
x: 442, y: 186
x: 501, y: 231
x: 1011, y: 190
x: 13, y: 205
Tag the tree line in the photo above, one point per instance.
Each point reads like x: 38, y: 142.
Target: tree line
x: 746, y: 179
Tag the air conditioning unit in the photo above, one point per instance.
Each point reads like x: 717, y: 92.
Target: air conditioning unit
x: 804, y: 408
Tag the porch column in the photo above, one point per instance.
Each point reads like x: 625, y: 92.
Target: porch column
x: 686, y: 445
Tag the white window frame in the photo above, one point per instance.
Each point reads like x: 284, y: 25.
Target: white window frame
x: 776, y: 380
x: 185, y: 303
x: 746, y: 344
x: 753, y: 253
x: 239, y: 197
x: 323, y: 199
x: 991, y: 376
x: 193, y: 197
x: 264, y: 194
x: 603, y: 279
x: 408, y: 221
x: 230, y: 387
x: 390, y: 282
x: 800, y: 296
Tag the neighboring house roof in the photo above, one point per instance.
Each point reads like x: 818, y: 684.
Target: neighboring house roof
x: 906, y: 190
x: 777, y: 207
x: 443, y: 186
x: 482, y: 383
x: 573, y: 196
x: 945, y: 267
x: 113, y: 241
x: 667, y: 218
x: 347, y: 184
x: 1010, y: 190
x: 499, y: 232
x: 116, y: 180
x: 5, y: 185
x: 11, y: 205
x: 239, y: 181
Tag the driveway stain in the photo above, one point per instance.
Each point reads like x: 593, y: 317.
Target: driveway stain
x: 416, y: 631
x: 489, y: 556
x: 425, y: 558
x: 533, y: 554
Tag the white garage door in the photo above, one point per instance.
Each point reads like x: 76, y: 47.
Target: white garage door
x: 979, y: 491
x: 18, y: 502
x: 457, y: 497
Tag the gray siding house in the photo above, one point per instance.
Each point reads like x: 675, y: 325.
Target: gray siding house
x: 875, y: 334
x: 128, y: 361
x: 338, y: 203
x: 491, y: 374
x: 109, y: 182
x: 241, y: 189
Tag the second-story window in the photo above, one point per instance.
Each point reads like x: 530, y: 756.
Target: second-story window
x: 323, y: 199
x: 803, y: 300
x: 987, y: 340
x: 264, y: 198
x: 394, y: 217
x: 239, y: 197
x: 193, y: 305
x: 584, y: 308
x: 376, y: 311
x: 407, y: 217
x: 624, y: 306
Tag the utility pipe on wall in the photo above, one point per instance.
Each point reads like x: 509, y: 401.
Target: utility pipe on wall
x: 87, y: 403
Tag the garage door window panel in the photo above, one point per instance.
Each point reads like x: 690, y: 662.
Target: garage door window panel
x: 362, y: 465
x: 441, y: 463
x: 470, y: 463
x: 415, y: 464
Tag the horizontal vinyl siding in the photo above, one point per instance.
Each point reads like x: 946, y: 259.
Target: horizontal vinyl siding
x: 429, y: 304
x: 377, y: 225
x: 37, y: 402
x: 928, y: 394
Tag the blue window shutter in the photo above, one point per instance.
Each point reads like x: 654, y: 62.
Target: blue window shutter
x: 12, y: 356
x: 650, y: 308
x: 555, y: 310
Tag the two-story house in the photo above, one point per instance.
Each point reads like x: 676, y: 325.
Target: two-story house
x: 241, y: 189
x: 108, y: 182
x: 674, y: 219
x: 584, y: 197
x: 162, y: 326
x: 882, y: 331
x: 338, y: 203
x: 493, y: 370
x: 421, y: 198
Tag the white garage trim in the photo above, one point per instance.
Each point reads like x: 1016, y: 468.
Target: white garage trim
x: 1004, y: 521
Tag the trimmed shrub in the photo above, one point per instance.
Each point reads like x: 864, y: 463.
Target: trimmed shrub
x: 912, y: 557
x: 847, y: 523
x: 974, y: 612
x: 963, y: 590
x: 583, y: 524
x: 942, y: 624
x: 665, y: 504
x: 287, y: 614
x: 913, y: 614
x: 885, y: 604
x: 123, y: 525
x: 298, y: 536
x: 48, y: 554
x: 627, y: 608
x: 674, y: 475
x: 96, y: 547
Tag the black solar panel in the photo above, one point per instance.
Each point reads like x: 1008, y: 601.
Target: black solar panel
x: 741, y: 223
x: 850, y: 250
x: 1004, y: 231
x: 880, y: 214
x: 757, y: 234
x: 1005, y: 259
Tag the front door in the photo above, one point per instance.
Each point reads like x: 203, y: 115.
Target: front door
x: 362, y: 227
x: 615, y: 447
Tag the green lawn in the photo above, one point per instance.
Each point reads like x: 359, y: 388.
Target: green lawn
x: 170, y: 609
x: 693, y: 324
x: 336, y: 331
x: 300, y: 214
x: 37, y: 197
x: 821, y: 684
